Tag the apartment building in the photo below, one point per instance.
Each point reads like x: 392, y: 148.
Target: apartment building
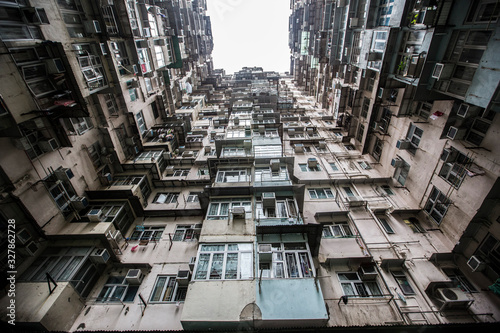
x: 153, y: 192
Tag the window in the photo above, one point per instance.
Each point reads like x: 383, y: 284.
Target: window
x: 219, y: 208
x: 224, y: 262
x: 111, y: 104
x: 203, y: 172
x: 265, y: 174
x: 117, y: 289
x: 166, y: 198
x: 144, y: 61
x: 353, y: 286
x: 233, y: 176
x: 192, y: 197
x: 160, y: 58
x: 364, y: 165
x: 365, y: 108
x: 229, y: 152
x: 91, y: 67
x: 284, y: 208
x: 140, y: 122
x: 386, y: 189
x: 320, y: 193
x: 306, y: 168
x: 414, y: 135
x: 65, y: 264
x: 454, y: 170
x: 288, y: 260
x: 490, y: 249
x: 479, y: 128
x: 403, y: 283
x: 437, y: 205
x: 117, y: 212
x: 361, y: 130
x: 337, y: 230
x: 78, y: 125
x: 459, y: 280
x: 61, y: 192
x: 385, y: 224
x: 133, y: 94
x: 334, y: 167
x: 483, y: 11
x: 424, y: 110
x: 167, y: 289
x: 186, y: 232
x: 401, y: 173
x: 180, y: 173
x: 414, y: 225
x: 348, y: 191
x: 147, y: 233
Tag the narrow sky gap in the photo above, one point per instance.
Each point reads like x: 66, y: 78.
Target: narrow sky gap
x: 250, y: 33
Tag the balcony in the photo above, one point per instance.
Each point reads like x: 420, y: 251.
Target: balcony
x: 275, y: 221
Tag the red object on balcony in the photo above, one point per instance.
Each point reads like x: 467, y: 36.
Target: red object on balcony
x: 65, y: 102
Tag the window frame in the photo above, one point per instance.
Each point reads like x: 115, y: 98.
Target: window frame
x: 358, y: 283
x: 170, y: 197
x: 403, y: 283
x: 337, y: 230
x: 116, y: 286
x: 435, y: 201
x: 317, y: 192
x: 177, y: 294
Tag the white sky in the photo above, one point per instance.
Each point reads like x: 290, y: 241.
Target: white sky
x: 250, y: 33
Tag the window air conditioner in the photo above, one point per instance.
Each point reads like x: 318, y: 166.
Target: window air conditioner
x: 396, y: 162
x: 182, y: 278
x: 134, y: 276
x: 466, y: 111
x: 275, y: 165
x: 238, y: 213
x: 476, y: 264
x: 262, y: 129
x: 265, y: 253
x: 95, y: 215
x: 322, y: 144
x: 247, y: 144
x: 455, y: 133
x: 355, y: 201
x: 269, y: 200
x: 99, y: 256
x: 236, y: 120
x: 448, y: 155
x: 299, y: 148
x: 64, y: 173
x: 146, y: 32
x: 79, y: 203
x: 452, y: 298
x: 48, y: 145
x: 132, y: 141
x: 159, y: 42
x: 403, y: 144
x: 170, y: 170
x: 260, y: 117
x: 353, y: 23
x: 92, y: 26
x: 208, y: 149
x: 192, y: 262
x: 367, y: 272
x: 291, y: 131
x: 312, y: 162
x: 442, y: 71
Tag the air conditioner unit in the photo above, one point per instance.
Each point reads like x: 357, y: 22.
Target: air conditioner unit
x: 208, y: 149
x: 299, y: 148
x: 265, y: 253
x: 291, y: 131
x: 312, y: 162
x: 99, y: 256
x: 48, y: 145
x: 146, y: 32
x: 182, y: 149
x: 455, y: 133
x: 95, y: 215
x: 238, y: 213
x: 54, y: 66
x: 269, y: 199
x: 367, y: 272
x: 353, y: 22
x: 396, y: 162
x: 310, y: 130
x: 192, y: 262
x: 92, y: 26
x: 133, y: 24
x: 275, y: 165
x: 135, y: 68
x: 247, y: 144
x: 182, y: 278
x: 79, y: 203
x: 403, y: 144
x: 29, y: 250
x: 134, y: 276
x: 262, y: 129
x: 236, y: 120
x: 442, y: 71
x: 466, y: 111
x: 216, y: 123
x: 170, y: 170
x: 476, y: 264
x: 64, y: 173
x: 159, y: 42
x: 132, y: 141
x: 103, y: 49
x: 452, y: 298
x: 322, y: 144
x: 355, y: 201
x: 23, y: 236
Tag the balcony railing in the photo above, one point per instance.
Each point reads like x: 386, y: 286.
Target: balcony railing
x: 269, y: 221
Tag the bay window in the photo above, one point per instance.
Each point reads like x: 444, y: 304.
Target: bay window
x: 287, y: 260
x: 224, y: 262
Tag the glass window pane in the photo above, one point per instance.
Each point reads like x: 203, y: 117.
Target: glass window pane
x: 155, y: 295
x: 231, y: 266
